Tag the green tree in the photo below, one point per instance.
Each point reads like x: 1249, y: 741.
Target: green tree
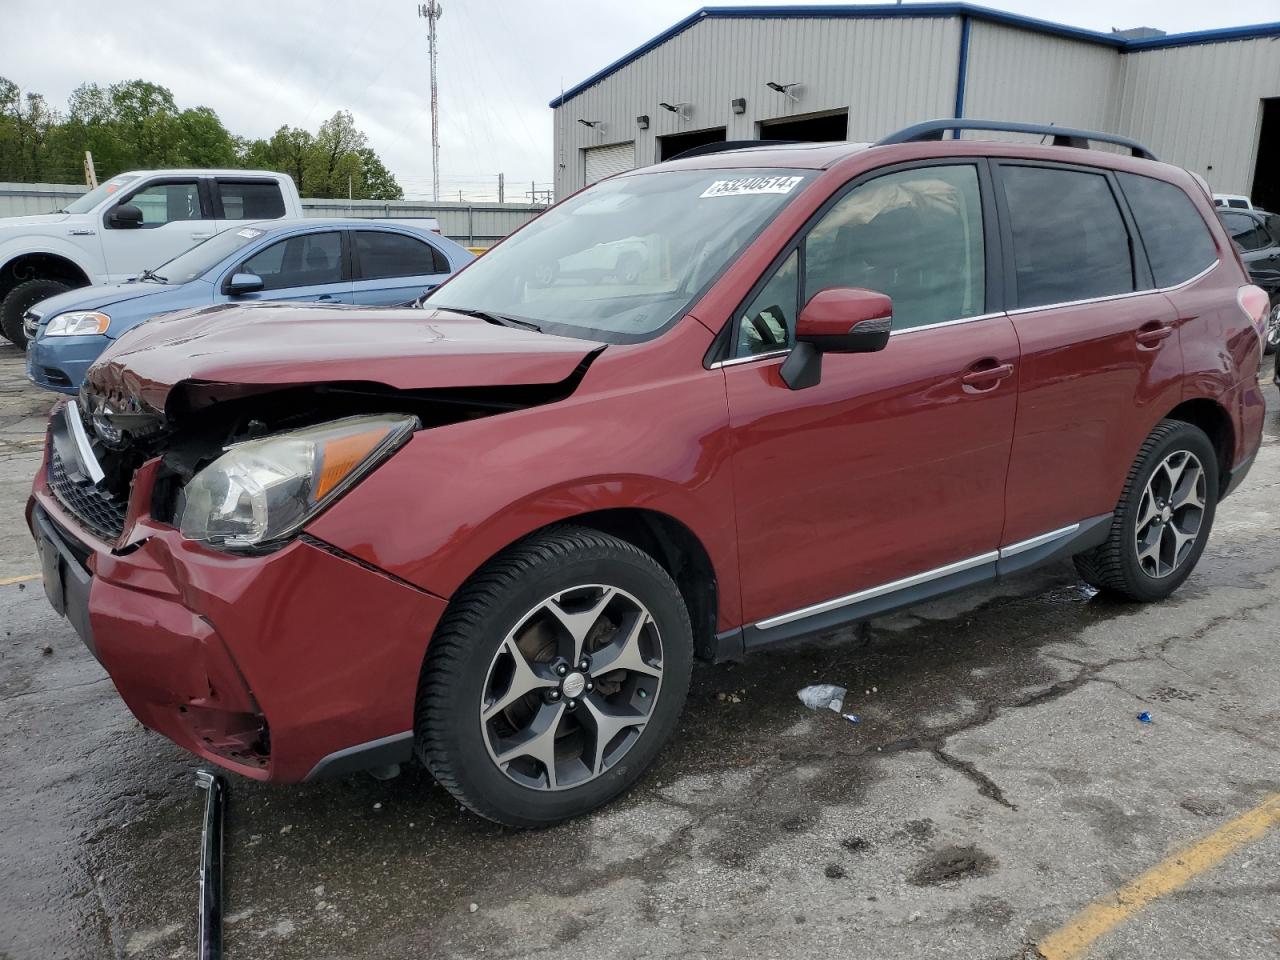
x: 136, y: 124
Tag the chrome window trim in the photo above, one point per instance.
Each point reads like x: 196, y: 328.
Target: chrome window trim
x: 1022, y: 546
x: 870, y: 593
x: 1019, y: 311
x: 735, y: 361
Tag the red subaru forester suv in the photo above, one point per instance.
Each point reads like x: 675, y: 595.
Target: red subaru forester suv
x: 694, y: 410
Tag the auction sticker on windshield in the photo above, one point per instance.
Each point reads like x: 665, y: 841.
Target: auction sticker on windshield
x: 749, y: 185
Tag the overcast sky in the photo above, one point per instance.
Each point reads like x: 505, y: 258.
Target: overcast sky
x: 263, y: 63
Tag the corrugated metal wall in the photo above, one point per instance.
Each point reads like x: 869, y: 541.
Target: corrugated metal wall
x: 1019, y: 75
x: 889, y: 72
x: 1200, y: 107
x: 474, y: 225
x: 1197, y: 106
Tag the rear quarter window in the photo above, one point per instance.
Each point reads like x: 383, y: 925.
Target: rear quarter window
x: 1177, y: 239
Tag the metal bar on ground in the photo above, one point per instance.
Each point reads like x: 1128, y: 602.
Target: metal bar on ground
x: 210, y: 936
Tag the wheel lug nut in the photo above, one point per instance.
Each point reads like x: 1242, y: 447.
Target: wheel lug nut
x: 590, y: 686
x: 571, y: 704
x: 585, y: 664
x: 561, y: 670
x: 553, y: 695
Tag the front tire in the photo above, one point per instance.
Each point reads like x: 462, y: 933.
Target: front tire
x: 554, y: 678
x: 21, y: 299
x: 1162, y: 522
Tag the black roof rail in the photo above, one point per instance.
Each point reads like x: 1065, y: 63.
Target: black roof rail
x: 1062, y: 136
x: 721, y: 146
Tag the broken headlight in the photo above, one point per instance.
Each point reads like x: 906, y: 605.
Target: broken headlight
x: 264, y: 490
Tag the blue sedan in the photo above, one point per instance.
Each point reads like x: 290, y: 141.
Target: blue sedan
x: 370, y: 262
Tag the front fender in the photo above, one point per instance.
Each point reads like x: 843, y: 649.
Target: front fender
x: 457, y: 495
x: 25, y: 244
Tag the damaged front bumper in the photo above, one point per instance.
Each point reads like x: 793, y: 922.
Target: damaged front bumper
x: 280, y: 666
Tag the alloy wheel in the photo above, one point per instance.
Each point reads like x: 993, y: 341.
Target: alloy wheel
x: 1273, y: 327
x: 1170, y: 514
x: 571, y: 687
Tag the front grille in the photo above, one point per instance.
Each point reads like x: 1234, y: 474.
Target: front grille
x: 100, y: 514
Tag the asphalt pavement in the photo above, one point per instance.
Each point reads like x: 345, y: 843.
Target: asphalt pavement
x: 997, y: 783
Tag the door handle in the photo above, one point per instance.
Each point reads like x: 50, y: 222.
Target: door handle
x: 986, y: 374
x: 1150, y: 334
x: 325, y: 296
x: 201, y: 236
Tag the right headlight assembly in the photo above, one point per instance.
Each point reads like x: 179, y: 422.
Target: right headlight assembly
x: 262, y: 491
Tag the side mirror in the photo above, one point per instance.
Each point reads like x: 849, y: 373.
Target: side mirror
x: 836, y: 320
x: 242, y: 283
x: 126, y: 217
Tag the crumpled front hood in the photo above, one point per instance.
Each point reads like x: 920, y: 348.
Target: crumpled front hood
x: 237, y: 350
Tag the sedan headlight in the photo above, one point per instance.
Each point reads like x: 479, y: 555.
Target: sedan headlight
x: 264, y: 490
x: 78, y: 323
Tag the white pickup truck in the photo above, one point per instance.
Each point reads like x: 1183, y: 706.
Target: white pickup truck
x: 128, y: 224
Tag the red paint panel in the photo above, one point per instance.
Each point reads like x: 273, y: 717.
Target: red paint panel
x: 1090, y: 393
x: 888, y: 467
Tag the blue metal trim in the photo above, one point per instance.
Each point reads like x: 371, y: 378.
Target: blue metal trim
x: 923, y: 10
x: 962, y: 71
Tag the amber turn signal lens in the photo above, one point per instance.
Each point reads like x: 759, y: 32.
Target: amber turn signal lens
x: 341, y: 455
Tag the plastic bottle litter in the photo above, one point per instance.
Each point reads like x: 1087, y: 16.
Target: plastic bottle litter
x: 1144, y: 717
x: 823, y: 696
x: 852, y: 717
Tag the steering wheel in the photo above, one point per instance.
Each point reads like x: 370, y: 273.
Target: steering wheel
x: 766, y: 333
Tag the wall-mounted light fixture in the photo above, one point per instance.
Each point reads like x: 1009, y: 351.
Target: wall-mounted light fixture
x: 785, y: 89
x: 739, y: 105
x: 682, y: 109
x: 642, y: 121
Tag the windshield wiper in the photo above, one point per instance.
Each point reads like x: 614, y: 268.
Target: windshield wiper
x: 500, y: 319
x: 152, y: 275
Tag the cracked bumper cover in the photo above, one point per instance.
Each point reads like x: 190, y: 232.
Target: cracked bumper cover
x: 211, y: 649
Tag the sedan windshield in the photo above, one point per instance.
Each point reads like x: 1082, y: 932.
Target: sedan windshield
x: 203, y: 257
x: 621, y: 260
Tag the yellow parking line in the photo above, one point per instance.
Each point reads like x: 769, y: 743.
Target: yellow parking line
x: 1073, y: 940
x: 24, y: 579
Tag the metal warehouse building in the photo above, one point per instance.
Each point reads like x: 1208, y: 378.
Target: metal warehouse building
x: 1208, y: 101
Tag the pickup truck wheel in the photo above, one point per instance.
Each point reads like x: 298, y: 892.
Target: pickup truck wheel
x: 554, y: 678
x: 21, y: 299
x: 1162, y: 522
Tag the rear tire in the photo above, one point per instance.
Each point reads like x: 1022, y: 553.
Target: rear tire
x: 533, y: 741
x: 1162, y: 522
x: 21, y: 299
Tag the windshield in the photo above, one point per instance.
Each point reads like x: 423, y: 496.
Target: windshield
x: 621, y: 260
x: 95, y: 196
x: 204, y: 256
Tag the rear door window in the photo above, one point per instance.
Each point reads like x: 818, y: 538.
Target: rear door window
x: 1178, y: 242
x: 302, y: 261
x: 381, y: 253
x: 250, y: 199
x: 1070, y: 242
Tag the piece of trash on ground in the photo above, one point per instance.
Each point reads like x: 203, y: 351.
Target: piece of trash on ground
x: 1144, y: 717
x: 852, y: 717
x: 823, y: 696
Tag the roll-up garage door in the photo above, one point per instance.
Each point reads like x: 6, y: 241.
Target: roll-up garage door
x: 606, y: 161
